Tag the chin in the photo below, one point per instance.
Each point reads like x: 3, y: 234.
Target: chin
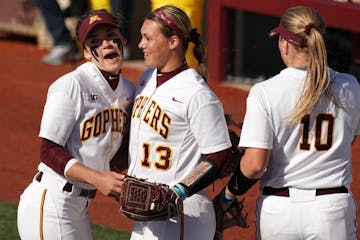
x: 115, y: 67
x: 148, y: 63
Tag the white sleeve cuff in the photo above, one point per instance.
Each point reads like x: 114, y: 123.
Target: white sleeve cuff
x: 69, y: 165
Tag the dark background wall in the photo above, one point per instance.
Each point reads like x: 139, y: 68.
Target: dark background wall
x: 250, y: 53
x: 253, y: 55
x: 140, y: 9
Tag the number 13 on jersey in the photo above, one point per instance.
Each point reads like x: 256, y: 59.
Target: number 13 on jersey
x: 163, y: 154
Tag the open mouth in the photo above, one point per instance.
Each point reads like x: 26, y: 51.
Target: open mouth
x: 111, y: 55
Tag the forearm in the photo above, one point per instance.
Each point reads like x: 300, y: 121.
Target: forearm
x: 252, y: 167
x: 205, y: 173
x: 254, y: 162
x: 82, y: 173
x: 239, y: 183
x: 202, y: 176
x: 63, y: 163
x: 108, y: 183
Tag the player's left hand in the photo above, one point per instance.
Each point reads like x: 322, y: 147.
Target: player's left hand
x: 228, y: 214
x: 147, y: 201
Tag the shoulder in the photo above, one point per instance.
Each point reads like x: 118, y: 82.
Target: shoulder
x: 192, y: 75
x: 191, y: 80
x: 128, y: 85
x: 73, y: 80
x: 345, y: 85
x: 196, y: 88
x: 343, y: 78
x: 261, y: 88
x: 344, y: 81
x: 287, y: 76
x: 288, y: 80
x: 148, y: 73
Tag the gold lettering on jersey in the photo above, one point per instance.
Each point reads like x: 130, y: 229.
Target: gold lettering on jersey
x: 115, y: 124
x: 146, y: 117
x: 155, y: 118
x: 165, y: 123
x: 86, y: 132
x: 139, y: 103
x: 152, y: 115
x: 113, y: 119
x: 106, y: 119
x: 141, y: 106
x: 97, y: 127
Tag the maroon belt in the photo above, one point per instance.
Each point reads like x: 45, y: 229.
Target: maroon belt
x: 284, y: 192
x: 68, y: 188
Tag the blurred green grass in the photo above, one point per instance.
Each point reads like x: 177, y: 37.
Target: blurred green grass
x: 8, y: 226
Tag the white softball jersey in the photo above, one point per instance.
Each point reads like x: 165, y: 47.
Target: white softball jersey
x: 86, y: 116
x: 172, y: 125
x: 315, y: 153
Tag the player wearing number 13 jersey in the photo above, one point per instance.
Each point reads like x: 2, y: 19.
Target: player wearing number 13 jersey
x: 171, y: 128
x: 298, y: 131
x: 178, y: 131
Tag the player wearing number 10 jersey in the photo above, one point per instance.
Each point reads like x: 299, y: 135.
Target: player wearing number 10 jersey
x: 298, y: 131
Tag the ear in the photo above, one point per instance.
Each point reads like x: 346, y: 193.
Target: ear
x: 284, y: 45
x: 87, y: 54
x: 174, y: 41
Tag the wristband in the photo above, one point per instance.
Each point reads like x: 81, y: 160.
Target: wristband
x: 179, y: 190
x: 239, y: 183
x: 69, y: 165
x: 227, y: 199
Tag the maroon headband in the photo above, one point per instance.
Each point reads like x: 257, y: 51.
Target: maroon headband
x: 169, y: 22
x: 93, y: 20
x: 288, y: 36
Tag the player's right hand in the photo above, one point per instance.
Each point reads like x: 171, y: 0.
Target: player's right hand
x: 110, y: 184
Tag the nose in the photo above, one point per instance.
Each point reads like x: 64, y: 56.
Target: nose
x: 106, y: 42
x: 141, y: 44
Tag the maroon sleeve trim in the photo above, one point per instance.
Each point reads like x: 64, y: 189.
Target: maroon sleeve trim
x: 219, y: 158
x: 54, y: 155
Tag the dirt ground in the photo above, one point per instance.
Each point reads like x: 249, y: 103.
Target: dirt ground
x: 23, y: 86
